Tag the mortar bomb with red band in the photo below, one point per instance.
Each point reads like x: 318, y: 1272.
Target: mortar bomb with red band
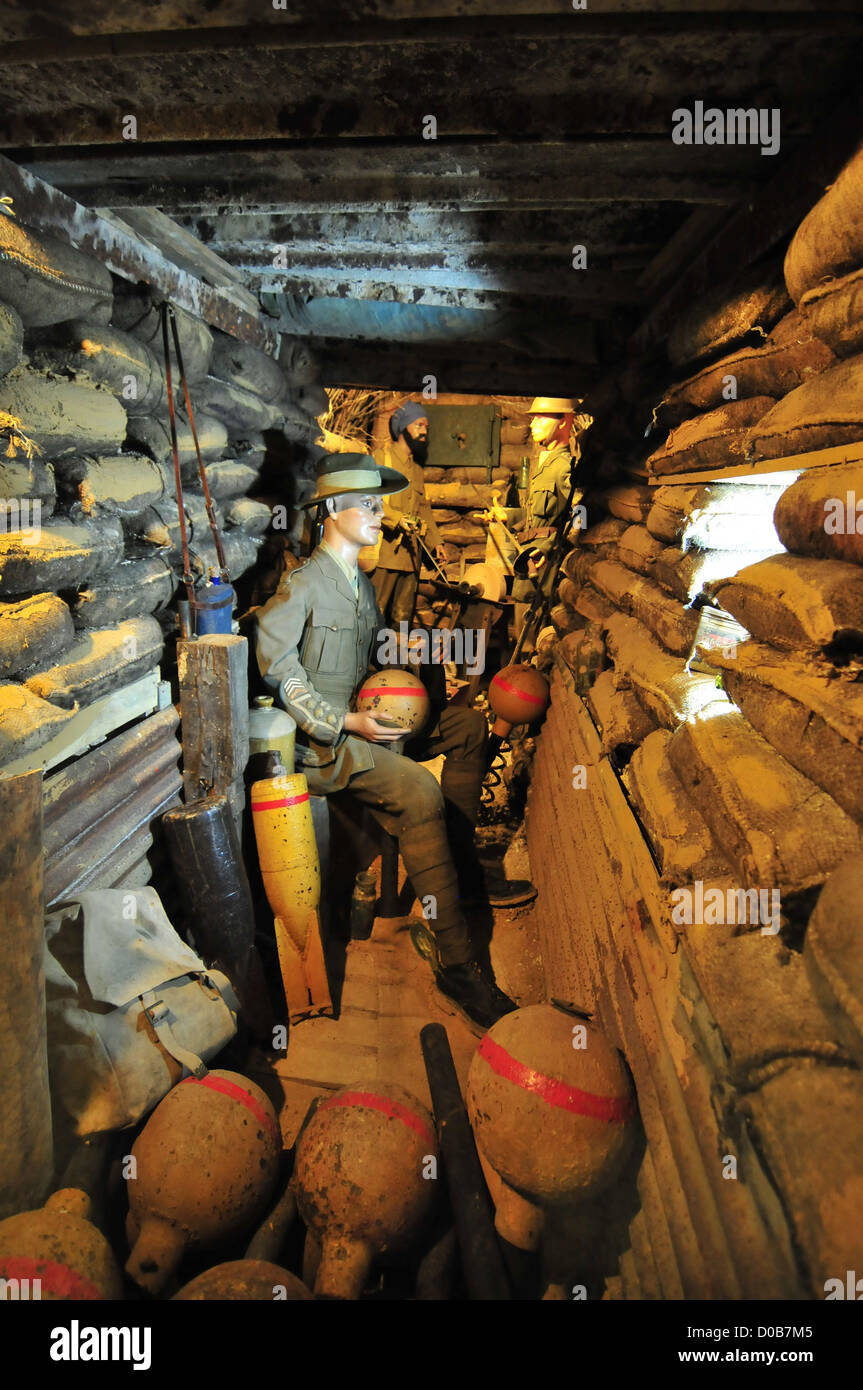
x: 365, y: 1180
x: 551, y: 1104
x: 206, y: 1163
x: 397, y: 695
x: 246, y: 1281
x: 58, y: 1252
x: 518, y: 695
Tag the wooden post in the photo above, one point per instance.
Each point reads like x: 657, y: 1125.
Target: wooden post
x: 214, y: 710
x: 26, y: 1151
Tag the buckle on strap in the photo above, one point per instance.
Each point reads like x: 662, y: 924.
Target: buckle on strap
x: 158, y: 1013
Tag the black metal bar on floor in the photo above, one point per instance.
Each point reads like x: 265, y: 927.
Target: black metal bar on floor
x: 481, y: 1256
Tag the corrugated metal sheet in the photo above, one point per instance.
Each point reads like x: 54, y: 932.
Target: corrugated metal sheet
x: 98, y: 812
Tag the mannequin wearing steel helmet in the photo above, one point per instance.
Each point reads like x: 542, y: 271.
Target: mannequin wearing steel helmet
x: 552, y: 422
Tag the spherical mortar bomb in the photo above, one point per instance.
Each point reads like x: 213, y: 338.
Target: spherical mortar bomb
x: 206, y: 1164
x: 517, y: 695
x: 395, y: 694
x: 364, y: 1180
x: 553, y: 1113
x: 60, y: 1247
x: 245, y: 1280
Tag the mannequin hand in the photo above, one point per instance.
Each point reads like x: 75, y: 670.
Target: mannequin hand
x: 368, y: 728
x: 441, y: 554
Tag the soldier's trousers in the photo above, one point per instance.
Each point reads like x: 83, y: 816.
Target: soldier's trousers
x: 433, y: 823
x: 395, y: 591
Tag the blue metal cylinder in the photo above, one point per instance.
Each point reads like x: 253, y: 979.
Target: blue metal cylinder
x: 214, y: 606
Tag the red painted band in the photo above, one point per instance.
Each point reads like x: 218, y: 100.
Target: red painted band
x: 611, y: 1109
x: 391, y: 1108
x: 54, y: 1278
x: 390, y: 690
x: 234, y: 1092
x: 522, y: 694
x: 276, y: 805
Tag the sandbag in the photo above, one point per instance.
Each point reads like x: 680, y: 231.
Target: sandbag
x: 677, y: 832
x: 662, y: 685
x: 11, y: 338
x: 630, y: 503
x: 32, y: 629
x: 775, y: 826
x: 153, y: 436
x: 567, y: 592
x: 46, y: 280
x: 825, y: 411
x: 230, y: 478
x: 312, y: 399
x: 793, y: 352
x: 247, y: 367
x: 26, y: 722
x: 132, y: 589
x: 808, y: 710
x: 638, y: 550
x: 604, y: 535
x: 100, y: 661
x: 833, y: 953
x: 120, y: 362
x: 727, y: 316
x: 795, y: 601
x: 249, y: 515
x: 118, y: 485
x: 593, y: 606
x: 159, y: 525
x: 667, y: 619
x: 563, y: 619
x: 621, y: 720
x: 707, y: 516
x: 822, y: 513
x: 685, y: 573
x: 251, y: 449
x: 299, y: 362
x: 714, y: 440
x: 241, y: 552
x: 63, y: 416
x: 462, y: 532
x: 582, y: 652
x: 236, y: 408
x: 57, y: 556
x: 30, y: 481
x: 834, y: 312
x: 136, y: 313
x: 829, y: 240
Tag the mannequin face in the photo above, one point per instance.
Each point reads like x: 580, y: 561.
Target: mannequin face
x: 354, y: 520
x: 542, y: 427
x: 416, y: 437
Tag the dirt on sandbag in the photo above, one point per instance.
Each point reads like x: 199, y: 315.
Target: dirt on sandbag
x: 32, y: 629
x: 237, y: 408
x: 100, y: 661
x: 26, y: 722
x: 47, y: 281
x: 776, y: 827
x: 11, y: 338
x: 247, y: 367
x: 629, y: 502
x: 63, y: 416
x: 119, y: 361
x: 793, y: 352
x: 825, y: 411
x: 796, y: 601
x: 250, y: 516
x: 593, y: 606
x: 152, y: 434
x: 132, y: 589
x: 230, y: 478
x: 118, y: 485
x: 725, y: 317
x: 28, y: 480
x: 604, y: 535
x: 638, y: 550
x: 57, y: 556
x: 820, y: 514
x: 675, y: 827
x: 829, y: 240
x: 714, y: 440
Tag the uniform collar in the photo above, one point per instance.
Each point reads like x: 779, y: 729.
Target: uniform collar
x: 339, y: 570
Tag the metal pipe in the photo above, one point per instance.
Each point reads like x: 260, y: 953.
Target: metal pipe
x: 482, y: 1261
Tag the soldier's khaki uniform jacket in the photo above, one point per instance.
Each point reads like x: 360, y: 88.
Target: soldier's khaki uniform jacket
x: 549, y: 489
x: 411, y: 501
x: 314, y: 645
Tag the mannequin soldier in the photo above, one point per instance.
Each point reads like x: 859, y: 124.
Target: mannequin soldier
x: 553, y: 418
x: 315, y: 639
x: 397, y: 573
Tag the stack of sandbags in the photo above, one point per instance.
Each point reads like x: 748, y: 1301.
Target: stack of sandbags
x: 824, y: 263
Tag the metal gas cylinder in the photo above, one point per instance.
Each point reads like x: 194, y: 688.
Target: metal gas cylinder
x: 552, y: 1110
x: 395, y: 694
x: 206, y: 1163
x: 60, y: 1248
x: 270, y: 727
x: 245, y: 1280
x: 518, y: 695
x: 364, y: 1180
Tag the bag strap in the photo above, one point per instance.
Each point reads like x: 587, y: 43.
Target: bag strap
x: 158, y: 1013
